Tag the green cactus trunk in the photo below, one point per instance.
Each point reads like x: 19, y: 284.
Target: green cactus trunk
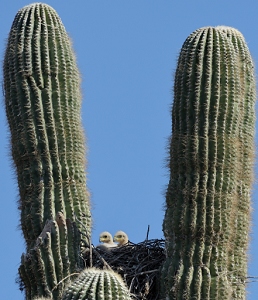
x: 207, y: 218
x: 43, y: 106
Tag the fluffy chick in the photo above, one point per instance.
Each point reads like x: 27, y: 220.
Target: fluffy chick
x: 121, y: 238
x: 107, y: 242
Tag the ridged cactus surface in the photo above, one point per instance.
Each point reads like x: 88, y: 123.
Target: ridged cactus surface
x: 94, y: 284
x: 207, y: 218
x: 43, y: 106
x: 47, y: 267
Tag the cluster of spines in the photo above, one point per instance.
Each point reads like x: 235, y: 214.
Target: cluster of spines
x: 208, y: 197
x: 43, y: 102
x: 47, y: 266
x: 95, y: 284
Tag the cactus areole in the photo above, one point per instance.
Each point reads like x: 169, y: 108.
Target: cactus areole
x: 43, y: 106
x: 207, y: 218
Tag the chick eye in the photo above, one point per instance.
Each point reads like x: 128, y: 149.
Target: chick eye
x: 105, y: 236
x: 119, y: 236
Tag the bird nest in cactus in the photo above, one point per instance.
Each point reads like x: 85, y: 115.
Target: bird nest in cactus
x: 138, y: 264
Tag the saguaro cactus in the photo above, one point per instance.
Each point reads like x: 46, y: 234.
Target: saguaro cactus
x: 43, y: 107
x: 43, y: 103
x: 207, y: 218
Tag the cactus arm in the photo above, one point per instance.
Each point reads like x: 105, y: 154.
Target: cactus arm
x: 43, y: 102
x: 43, y: 107
x: 213, y: 109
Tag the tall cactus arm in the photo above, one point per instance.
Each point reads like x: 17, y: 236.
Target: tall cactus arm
x: 206, y: 224
x: 43, y: 106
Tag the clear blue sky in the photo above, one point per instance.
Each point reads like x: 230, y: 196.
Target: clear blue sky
x: 126, y: 52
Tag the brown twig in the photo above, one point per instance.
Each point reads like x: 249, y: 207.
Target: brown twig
x: 63, y: 280
x: 147, y: 235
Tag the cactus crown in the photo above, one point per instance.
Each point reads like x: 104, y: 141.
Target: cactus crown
x: 95, y: 284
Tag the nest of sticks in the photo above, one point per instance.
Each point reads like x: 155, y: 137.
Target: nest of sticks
x: 138, y: 264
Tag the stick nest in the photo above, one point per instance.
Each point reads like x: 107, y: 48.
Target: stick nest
x: 138, y: 264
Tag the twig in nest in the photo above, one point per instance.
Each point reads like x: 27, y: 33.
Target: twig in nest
x: 101, y: 258
x: 63, y: 280
x: 147, y: 235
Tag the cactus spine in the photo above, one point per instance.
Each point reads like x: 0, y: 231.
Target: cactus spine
x: 94, y: 284
x: 43, y: 103
x: 207, y: 218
